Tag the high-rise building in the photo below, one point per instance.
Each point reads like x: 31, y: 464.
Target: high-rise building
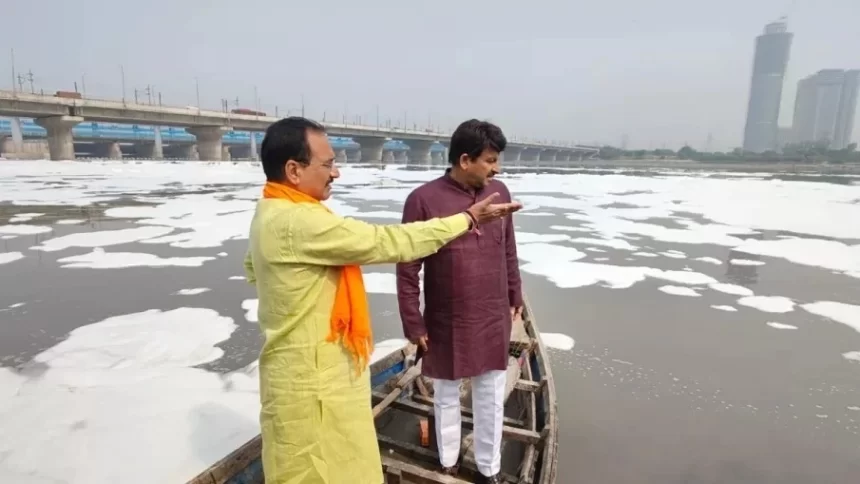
x: 825, y: 106
x: 847, y: 109
x: 771, y: 59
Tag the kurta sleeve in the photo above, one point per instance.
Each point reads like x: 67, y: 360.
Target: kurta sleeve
x: 515, y: 292
x: 249, y: 268
x: 408, y: 283
x: 317, y: 236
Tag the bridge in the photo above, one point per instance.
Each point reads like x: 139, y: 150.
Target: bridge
x: 62, y: 117
x: 94, y: 138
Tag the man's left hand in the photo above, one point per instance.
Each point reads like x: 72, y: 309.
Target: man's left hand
x: 516, y: 313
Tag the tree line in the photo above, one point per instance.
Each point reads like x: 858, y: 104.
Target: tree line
x: 807, y: 152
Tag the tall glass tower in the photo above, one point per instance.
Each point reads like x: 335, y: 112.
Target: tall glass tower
x: 771, y: 59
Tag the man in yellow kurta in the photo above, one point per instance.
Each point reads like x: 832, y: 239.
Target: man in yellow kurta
x: 316, y: 419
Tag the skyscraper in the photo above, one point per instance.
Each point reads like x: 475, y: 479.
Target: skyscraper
x: 825, y: 106
x: 847, y: 109
x: 771, y: 59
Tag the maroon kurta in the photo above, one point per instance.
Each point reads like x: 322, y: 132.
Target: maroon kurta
x: 469, y: 285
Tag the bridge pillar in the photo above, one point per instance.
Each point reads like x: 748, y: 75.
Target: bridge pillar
x: 225, y: 153
x: 341, y: 157
x: 419, y: 152
x: 7, y: 145
x: 547, y: 157
x: 511, y: 155
x: 110, y: 150
x: 400, y: 157
x: 388, y: 157
x: 443, y: 153
x: 353, y: 156
x: 241, y: 152
x: 149, y: 150
x: 61, y: 144
x: 436, y: 158
x: 208, y: 141
x: 530, y: 156
x: 563, y: 156
x: 183, y: 151
x: 253, y: 136
x: 371, y: 148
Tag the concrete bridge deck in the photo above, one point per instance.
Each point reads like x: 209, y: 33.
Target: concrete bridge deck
x: 59, y: 116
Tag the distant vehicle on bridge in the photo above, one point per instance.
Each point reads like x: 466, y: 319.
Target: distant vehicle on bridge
x: 249, y: 112
x: 68, y: 94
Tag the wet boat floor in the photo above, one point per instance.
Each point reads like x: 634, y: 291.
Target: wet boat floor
x: 399, y: 437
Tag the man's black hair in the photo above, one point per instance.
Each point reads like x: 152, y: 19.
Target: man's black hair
x: 472, y: 137
x: 286, y: 139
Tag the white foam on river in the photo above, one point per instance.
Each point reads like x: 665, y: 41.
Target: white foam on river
x: 7, y: 257
x: 23, y: 229
x: 71, y: 417
x: 101, y: 238
x: 99, y: 259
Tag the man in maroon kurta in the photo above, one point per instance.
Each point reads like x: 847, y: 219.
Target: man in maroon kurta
x: 472, y: 290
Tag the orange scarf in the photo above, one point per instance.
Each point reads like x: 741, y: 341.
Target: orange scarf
x: 350, y: 317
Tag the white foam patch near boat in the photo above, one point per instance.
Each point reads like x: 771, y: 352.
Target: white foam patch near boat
x: 679, y: 291
x: 236, y: 278
x: 745, y: 262
x: 24, y: 229
x: 380, y: 282
x: 192, y: 291
x: 826, y: 254
x: 852, y: 356
x: 733, y: 289
x: 768, y: 304
x: 102, y: 238
x: 70, y: 221
x: 594, y: 249
x: 222, y: 254
x: 776, y: 325
x: 251, y: 308
x: 538, y: 251
x: 529, y: 237
x: 567, y: 274
x: 385, y: 348
x: 567, y: 228
x: 847, y: 314
x: 140, y: 341
x: 7, y: 237
x: 723, y: 307
x: 7, y: 257
x: 128, y: 375
x: 645, y: 254
x: 99, y: 259
x: 710, y: 260
x: 674, y: 255
x: 619, y: 244
x: 557, y: 341
x: 24, y: 217
x: 208, y: 221
x: 380, y: 214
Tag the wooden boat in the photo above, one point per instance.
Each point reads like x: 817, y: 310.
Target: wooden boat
x: 403, y: 411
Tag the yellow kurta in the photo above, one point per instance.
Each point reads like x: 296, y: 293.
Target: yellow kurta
x: 316, y: 418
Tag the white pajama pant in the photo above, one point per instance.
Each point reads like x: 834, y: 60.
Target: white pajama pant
x: 488, y: 394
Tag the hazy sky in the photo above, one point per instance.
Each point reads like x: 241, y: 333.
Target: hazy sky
x: 664, y: 72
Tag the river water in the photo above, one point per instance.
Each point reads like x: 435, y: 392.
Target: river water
x: 716, y: 318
